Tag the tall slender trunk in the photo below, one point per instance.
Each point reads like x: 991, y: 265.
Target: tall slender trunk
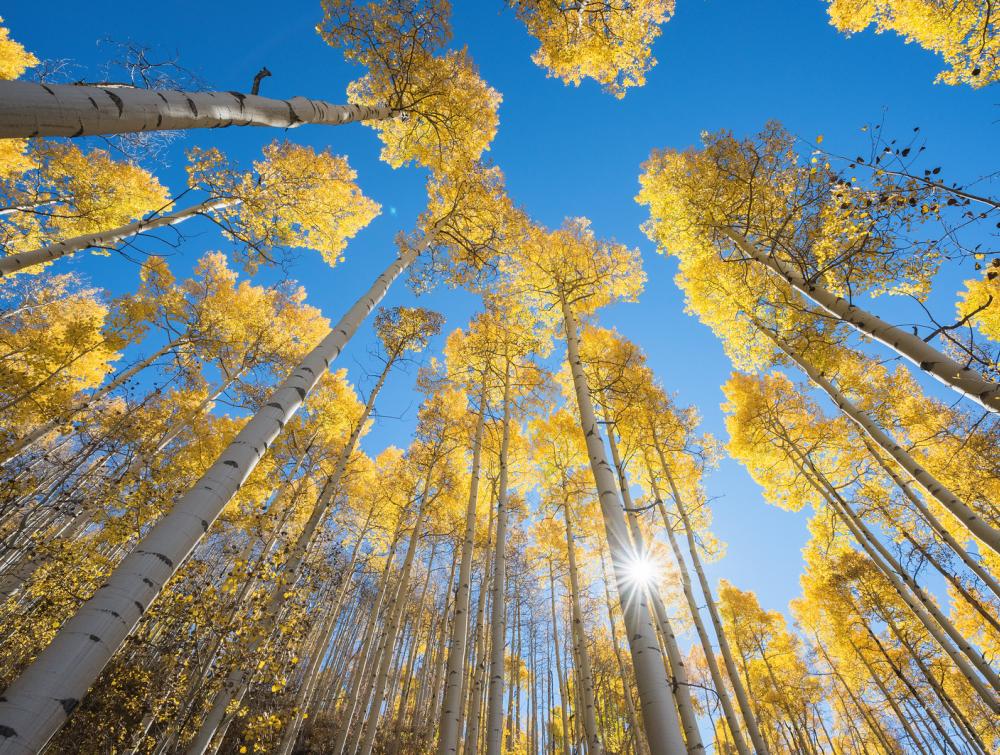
x: 498, y: 614
x: 433, y: 710
x: 564, y: 717
x: 749, y: 716
x: 965, y: 381
x: 302, y: 699
x: 474, y: 703
x: 235, y: 686
x: 365, y: 654
x: 451, y: 710
x: 889, y: 698
x: 713, y: 664
x: 28, y: 109
x: 975, y: 603
x: 202, y: 674
x: 40, y: 700
x: 585, y: 676
x: 681, y: 687
x: 14, y: 263
x: 641, y: 748
x: 391, y: 631
x: 923, y: 608
x: 659, y: 717
x: 989, y: 535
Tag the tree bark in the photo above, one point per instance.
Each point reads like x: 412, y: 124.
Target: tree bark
x: 989, y: 535
x: 659, y: 717
x: 14, y: 263
x: 562, y: 687
x: 235, y: 686
x: 713, y: 665
x: 679, y: 681
x: 749, y: 716
x: 29, y: 109
x: 40, y: 700
x: 965, y: 381
x: 451, y: 710
x: 498, y: 614
x: 585, y: 676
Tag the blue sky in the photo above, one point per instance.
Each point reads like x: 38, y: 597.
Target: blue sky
x: 566, y: 151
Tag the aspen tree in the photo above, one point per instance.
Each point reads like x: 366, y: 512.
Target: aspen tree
x: 731, y: 202
x: 609, y: 43
x: 293, y: 197
x: 31, y: 109
x: 145, y: 569
x: 612, y: 366
x: 963, y: 32
x: 474, y: 355
x: 740, y: 304
x: 512, y: 345
x: 570, y: 269
x: 436, y: 445
x: 774, y: 406
x: 400, y: 331
x: 210, y: 317
x: 560, y: 455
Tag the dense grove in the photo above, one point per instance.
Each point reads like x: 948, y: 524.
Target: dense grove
x: 197, y: 555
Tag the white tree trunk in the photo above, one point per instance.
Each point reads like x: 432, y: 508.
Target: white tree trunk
x: 451, y: 709
x: 498, y: 614
x: 659, y: 717
x: 969, y: 518
x: 585, y: 674
x: 365, y: 655
x: 235, y: 686
x: 681, y: 688
x: 713, y: 665
x: 681, y: 685
x: 749, y: 717
x: 391, y: 632
x: 564, y: 716
x: 474, y: 699
x: 962, y: 379
x: 13, y: 263
x: 30, y: 109
x: 923, y: 607
x: 40, y: 700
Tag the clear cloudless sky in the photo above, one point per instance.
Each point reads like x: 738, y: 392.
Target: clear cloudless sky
x: 566, y: 151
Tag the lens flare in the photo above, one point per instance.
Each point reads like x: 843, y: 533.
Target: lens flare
x: 641, y: 571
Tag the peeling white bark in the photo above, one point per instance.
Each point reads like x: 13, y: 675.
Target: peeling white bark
x: 40, y: 700
x: 30, y: 109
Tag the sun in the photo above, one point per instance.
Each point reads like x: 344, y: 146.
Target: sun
x: 641, y: 570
